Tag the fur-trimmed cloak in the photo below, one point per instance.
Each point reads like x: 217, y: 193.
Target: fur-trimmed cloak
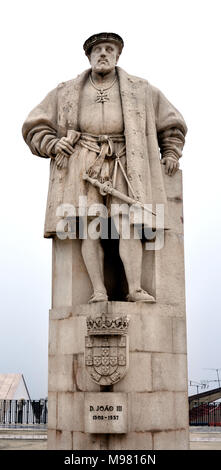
x: 153, y: 128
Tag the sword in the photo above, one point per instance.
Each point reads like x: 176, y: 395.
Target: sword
x: 107, y: 188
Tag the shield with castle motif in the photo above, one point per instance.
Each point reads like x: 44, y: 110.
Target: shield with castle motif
x: 106, y: 355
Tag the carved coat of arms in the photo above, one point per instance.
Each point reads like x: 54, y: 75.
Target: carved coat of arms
x: 107, y: 349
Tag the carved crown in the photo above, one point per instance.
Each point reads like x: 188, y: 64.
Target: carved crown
x: 107, y: 325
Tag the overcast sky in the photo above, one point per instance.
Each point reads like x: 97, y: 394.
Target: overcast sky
x: 176, y: 46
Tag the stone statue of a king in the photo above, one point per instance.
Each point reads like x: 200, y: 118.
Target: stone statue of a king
x: 107, y: 134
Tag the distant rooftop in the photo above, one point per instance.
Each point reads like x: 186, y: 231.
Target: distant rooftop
x: 205, y: 397
x: 9, y: 385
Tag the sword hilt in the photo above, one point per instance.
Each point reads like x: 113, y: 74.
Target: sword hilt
x: 105, y: 188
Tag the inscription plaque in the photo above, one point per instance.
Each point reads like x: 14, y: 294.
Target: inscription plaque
x: 106, y: 413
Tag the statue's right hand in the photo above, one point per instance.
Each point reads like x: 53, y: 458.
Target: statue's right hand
x: 63, y: 145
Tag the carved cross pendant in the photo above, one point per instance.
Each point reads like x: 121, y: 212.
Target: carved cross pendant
x: 102, y: 96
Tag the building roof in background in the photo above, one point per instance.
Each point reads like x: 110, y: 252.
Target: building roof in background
x: 203, y: 397
x: 9, y: 384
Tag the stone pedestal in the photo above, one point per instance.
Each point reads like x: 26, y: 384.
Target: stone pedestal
x: 154, y: 389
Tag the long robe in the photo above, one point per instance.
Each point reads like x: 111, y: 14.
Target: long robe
x: 153, y: 129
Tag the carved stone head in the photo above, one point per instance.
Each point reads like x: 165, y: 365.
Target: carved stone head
x: 103, y: 51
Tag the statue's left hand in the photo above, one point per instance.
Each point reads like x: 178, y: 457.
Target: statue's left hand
x: 171, y: 165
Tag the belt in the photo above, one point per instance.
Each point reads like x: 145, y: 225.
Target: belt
x: 103, y: 146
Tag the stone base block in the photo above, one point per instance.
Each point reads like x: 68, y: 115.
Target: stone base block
x: 154, y: 386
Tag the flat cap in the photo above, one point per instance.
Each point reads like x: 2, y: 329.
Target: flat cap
x: 100, y: 37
